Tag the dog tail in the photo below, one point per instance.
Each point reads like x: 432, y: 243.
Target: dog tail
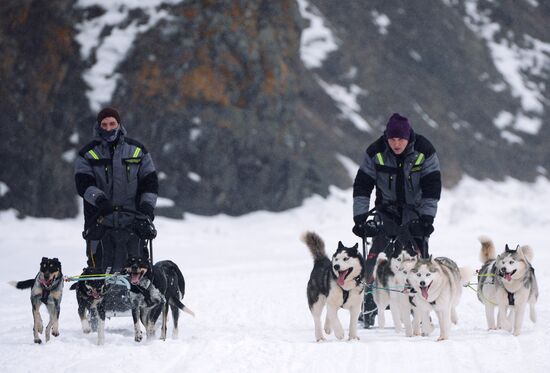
x: 23, y: 284
x: 315, y: 244
x: 466, y: 274
x: 527, y: 252
x: 181, y: 306
x: 181, y: 280
x: 488, y: 251
x: 380, y: 259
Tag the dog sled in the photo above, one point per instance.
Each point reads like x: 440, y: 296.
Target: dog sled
x: 110, y: 240
x: 398, y: 237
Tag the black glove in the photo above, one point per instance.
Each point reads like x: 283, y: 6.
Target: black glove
x: 104, y: 206
x: 365, y: 229
x: 422, y: 227
x: 147, y: 209
x: 144, y: 228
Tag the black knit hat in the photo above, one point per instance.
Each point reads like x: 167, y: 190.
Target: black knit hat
x: 108, y: 112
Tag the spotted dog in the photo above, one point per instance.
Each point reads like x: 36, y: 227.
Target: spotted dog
x: 91, y: 306
x: 147, y: 301
x: 46, y: 288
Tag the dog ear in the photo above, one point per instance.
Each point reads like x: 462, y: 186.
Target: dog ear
x: 355, y: 247
x: 508, y: 250
x: 340, y: 245
x: 44, y: 259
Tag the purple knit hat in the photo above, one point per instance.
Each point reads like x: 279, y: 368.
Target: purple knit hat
x: 398, y: 127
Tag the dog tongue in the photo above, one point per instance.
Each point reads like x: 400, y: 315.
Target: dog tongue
x: 424, y: 291
x: 508, y: 276
x: 342, y: 278
x: 135, y: 278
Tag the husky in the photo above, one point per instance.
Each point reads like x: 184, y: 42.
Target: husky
x: 90, y: 295
x: 437, y: 285
x: 507, y: 281
x: 390, y: 283
x: 47, y: 288
x: 337, y: 284
x: 147, y: 301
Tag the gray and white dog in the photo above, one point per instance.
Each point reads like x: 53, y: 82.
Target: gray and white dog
x: 508, y: 282
x: 437, y: 285
x: 336, y: 283
x: 47, y: 288
x: 390, y: 279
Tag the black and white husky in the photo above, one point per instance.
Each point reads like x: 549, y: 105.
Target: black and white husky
x: 337, y: 283
x: 437, y: 284
x: 508, y: 282
x: 390, y: 280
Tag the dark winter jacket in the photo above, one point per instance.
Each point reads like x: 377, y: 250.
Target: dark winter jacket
x: 411, y: 179
x: 123, y: 172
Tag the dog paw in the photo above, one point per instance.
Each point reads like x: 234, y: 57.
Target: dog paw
x: 138, y: 337
x: 37, y: 340
x: 328, y: 330
x: 441, y: 339
x: 354, y: 338
x: 339, y: 334
x: 321, y: 339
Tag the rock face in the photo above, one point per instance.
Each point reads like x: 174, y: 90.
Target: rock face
x: 40, y: 106
x: 219, y: 93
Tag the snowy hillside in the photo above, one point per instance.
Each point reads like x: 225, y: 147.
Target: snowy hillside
x: 246, y: 280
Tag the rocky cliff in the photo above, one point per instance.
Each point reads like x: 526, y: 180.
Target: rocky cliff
x: 249, y: 105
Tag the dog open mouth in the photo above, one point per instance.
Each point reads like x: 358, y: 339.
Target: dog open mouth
x: 135, y: 277
x: 342, y: 275
x: 47, y: 282
x: 508, y: 275
x: 424, y: 291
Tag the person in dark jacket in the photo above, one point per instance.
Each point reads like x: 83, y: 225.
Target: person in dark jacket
x: 113, y: 173
x: 404, y: 168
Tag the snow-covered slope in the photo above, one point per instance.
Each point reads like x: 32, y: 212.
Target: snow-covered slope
x: 246, y: 280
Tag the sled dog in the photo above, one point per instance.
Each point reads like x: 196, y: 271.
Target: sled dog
x: 336, y: 283
x: 437, y: 285
x: 47, y: 288
x: 390, y: 289
x: 169, y: 280
x: 508, y: 282
x: 91, y: 307
x: 146, y: 299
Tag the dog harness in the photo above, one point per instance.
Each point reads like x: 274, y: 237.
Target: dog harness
x: 345, y: 293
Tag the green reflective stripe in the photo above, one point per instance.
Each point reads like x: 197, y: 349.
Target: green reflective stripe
x: 380, y: 159
x: 93, y: 154
x: 136, y: 152
x: 420, y: 159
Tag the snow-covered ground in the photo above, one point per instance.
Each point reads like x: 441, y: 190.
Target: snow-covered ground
x: 246, y: 280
